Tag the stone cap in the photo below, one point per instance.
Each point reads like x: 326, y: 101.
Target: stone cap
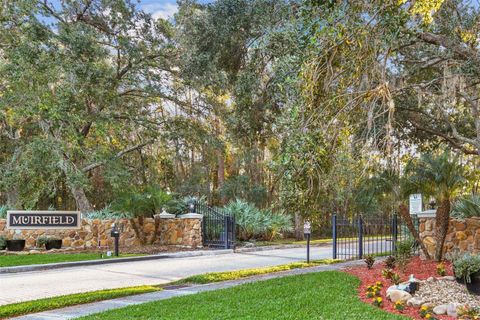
x: 427, y: 213
x: 190, y: 216
x: 165, y: 215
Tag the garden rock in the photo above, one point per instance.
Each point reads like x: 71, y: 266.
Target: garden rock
x: 398, y: 295
x: 452, y: 310
x: 415, y: 302
x: 431, y: 279
x: 447, y: 278
x: 441, y: 309
x: 445, y: 292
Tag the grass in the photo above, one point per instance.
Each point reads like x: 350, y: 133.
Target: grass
x: 234, y: 275
x: 328, y: 295
x: 82, y: 298
x: 29, y: 259
x: 17, y: 309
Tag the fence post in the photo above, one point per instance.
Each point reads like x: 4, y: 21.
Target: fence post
x: 226, y: 223
x: 334, y: 235
x: 234, y: 231
x: 360, y: 237
x: 394, y: 232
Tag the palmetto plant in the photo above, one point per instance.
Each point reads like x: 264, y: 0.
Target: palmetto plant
x: 142, y: 203
x: 253, y: 222
x: 442, y: 177
x: 467, y: 207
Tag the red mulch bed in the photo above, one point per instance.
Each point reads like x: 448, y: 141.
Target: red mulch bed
x: 421, y: 269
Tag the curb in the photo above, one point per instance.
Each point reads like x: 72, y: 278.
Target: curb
x: 51, y: 266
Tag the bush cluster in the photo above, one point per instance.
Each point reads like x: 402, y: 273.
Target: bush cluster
x: 255, y: 223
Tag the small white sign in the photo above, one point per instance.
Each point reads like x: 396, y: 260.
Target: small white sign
x: 307, y: 229
x: 416, y: 203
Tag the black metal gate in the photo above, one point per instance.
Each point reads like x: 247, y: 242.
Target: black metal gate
x: 356, y: 237
x: 218, y: 227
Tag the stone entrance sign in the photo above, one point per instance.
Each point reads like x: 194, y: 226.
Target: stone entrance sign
x: 43, y: 219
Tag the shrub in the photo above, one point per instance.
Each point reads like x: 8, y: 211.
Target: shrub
x: 395, y: 278
x: 390, y: 262
x: 403, y: 253
x: 278, y: 224
x: 181, y: 205
x: 255, y: 223
x: 466, y: 207
x: 369, y: 260
x: 466, y: 265
x: 387, y: 274
x: 105, y: 213
x: 3, y: 241
x: 143, y: 202
x: 43, y: 240
x: 467, y: 312
x: 441, y: 271
x: 404, y: 248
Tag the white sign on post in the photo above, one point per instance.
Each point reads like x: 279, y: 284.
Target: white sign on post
x: 416, y: 203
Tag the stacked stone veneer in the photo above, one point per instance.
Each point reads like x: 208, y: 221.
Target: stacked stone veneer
x: 185, y: 232
x: 462, y: 236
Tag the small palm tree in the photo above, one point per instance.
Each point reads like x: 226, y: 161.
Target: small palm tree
x: 442, y: 177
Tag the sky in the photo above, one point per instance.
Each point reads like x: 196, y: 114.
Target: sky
x: 162, y: 8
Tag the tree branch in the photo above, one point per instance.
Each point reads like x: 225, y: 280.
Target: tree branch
x: 118, y: 155
x: 450, y: 140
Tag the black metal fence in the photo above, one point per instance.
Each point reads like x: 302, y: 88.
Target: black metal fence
x: 356, y: 237
x: 218, y: 227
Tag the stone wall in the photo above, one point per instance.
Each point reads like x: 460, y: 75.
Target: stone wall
x: 185, y: 232
x: 462, y: 236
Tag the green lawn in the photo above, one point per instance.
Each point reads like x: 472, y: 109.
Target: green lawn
x: 29, y: 259
x: 326, y: 295
x: 17, y: 309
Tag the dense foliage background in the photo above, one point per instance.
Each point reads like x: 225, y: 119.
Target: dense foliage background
x: 303, y: 107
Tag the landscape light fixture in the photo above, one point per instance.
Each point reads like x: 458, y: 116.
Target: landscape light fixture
x: 307, y: 230
x: 115, y: 233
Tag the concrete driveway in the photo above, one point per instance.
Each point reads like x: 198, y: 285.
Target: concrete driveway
x: 48, y: 283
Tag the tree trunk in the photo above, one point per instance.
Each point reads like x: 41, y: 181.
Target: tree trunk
x: 13, y: 198
x: 442, y: 220
x: 405, y: 215
x: 221, y: 169
x: 156, y: 231
x: 138, y: 229
x: 298, y: 227
x: 83, y: 204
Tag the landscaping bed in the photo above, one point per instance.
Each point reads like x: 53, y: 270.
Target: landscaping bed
x: 434, y: 289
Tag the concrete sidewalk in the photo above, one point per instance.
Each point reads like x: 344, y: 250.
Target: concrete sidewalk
x: 17, y: 287
x: 91, y: 308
